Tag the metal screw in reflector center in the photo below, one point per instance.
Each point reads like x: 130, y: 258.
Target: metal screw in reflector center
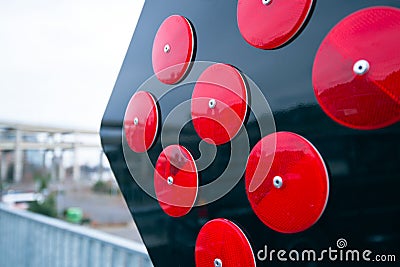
x: 212, y: 103
x: 361, y: 67
x: 167, y: 48
x: 278, y: 182
x: 217, y: 263
x: 135, y: 121
x: 266, y: 2
x: 170, y: 180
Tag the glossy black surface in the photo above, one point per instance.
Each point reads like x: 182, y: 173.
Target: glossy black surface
x: 364, y: 203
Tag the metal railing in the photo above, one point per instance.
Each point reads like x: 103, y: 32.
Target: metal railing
x: 33, y: 240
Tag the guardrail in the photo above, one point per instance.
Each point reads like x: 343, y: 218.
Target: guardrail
x: 32, y: 240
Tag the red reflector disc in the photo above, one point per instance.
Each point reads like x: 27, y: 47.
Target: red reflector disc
x: 176, y: 180
x: 173, y: 49
x: 141, y: 121
x: 268, y: 24
x: 292, y: 195
x: 219, y: 104
x: 356, y: 73
x: 222, y: 243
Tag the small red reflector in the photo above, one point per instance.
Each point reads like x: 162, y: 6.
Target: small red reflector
x: 141, y: 121
x: 173, y: 49
x: 356, y: 73
x: 219, y: 104
x: 176, y: 180
x: 268, y: 24
x: 221, y: 243
x: 291, y: 195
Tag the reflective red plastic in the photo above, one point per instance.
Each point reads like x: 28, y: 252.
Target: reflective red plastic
x: 219, y: 104
x: 291, y: 196
x: 222, y: 240
x: 270, y: 25
x: 362, y: 99
x: 173, y: 49
x: 141, y: 121
x: 176, y: 180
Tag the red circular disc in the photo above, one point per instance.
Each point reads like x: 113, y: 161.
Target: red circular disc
x: 222, y: 241
x: 268, y: 24
x: 356, y: 73
x: 219, y: 104
x: 141, y: 121
x: 292, y: 195
x: 173, y: 49
x: 176, y: 180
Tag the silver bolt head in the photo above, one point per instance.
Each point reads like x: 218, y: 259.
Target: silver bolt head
x: 212, y: 103
x: 217, y: 263
x: 278, y: 182
x: 167, y: 48
x: 361, y: 67
x: 266, y: 2
x: 170, y: 180
x: 136, y: 121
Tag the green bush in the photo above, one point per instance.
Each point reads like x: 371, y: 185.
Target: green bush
x: 101, y: 187
x: 42, y: 180
x: 48, y: 207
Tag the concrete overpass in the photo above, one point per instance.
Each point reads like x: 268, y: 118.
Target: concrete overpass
x: 17, y: 138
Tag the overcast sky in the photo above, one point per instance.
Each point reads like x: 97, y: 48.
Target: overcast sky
x: 59, y: 59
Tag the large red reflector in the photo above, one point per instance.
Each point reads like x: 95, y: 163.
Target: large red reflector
x: 221, y: 243
x: 173, y: 49
x: 176, y: 180
x: 356, y: 73
x: 292, y: 195
x: 219, y: 104
x: 141, y: 121
x: 268, y: 24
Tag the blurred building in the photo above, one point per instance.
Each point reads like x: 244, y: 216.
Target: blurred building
x: 27, y: 151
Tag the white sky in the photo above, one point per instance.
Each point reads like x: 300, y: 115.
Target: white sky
x: 59, y: 59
